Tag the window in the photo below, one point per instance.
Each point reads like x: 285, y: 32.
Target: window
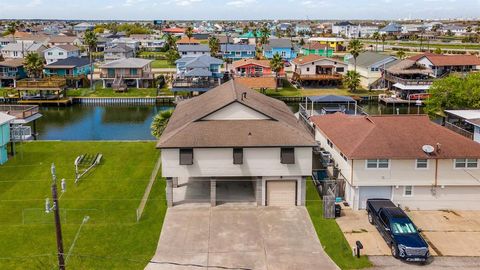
x: 287, y: 156
x: 237, y: 155
x: 50, y: 53
x: 343, y: 156
x: 186, y: 156
x: 284, y: 54
x: 422, y: 163
x: 408, y: 191
x: 329, y: 143
x: 60, y: 53
x: 378, y: 163
x: 466, y: 163
x: 308, y: 69
x: 340, y: 69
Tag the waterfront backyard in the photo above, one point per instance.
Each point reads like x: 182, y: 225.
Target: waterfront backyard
x: 109, y: 195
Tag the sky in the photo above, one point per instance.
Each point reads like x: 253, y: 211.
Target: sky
x: 237, y: 9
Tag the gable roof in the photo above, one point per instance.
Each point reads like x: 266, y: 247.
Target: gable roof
x: 306, y: 59
x: 393, y: 136
x: 187, y: 129
x: 237, y: 48
x: 127, y: 63
x: 201, y: 61
x: 315, y: 46
x: 186, y: 40
x: 66, y: 47
x: 63, y: 39
x: 70, y: 62
x: 193, y: 48
x: 5, y: 118
x: 17, y: 62
x: 278, y: 43
x: 251, y: 61
x: 119, y: 48
x: 23, y: 47
x: 440, y: 60
x: 367, y: 59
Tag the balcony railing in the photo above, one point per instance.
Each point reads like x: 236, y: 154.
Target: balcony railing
x: 21, y: 133
x: 459, y: 130
x: 127, y: 76
x: 9, y: 75
x: 42, y: 84
x: 396, y: 79
x: 189, y: 83
x: 317, y: 77
x: 19, y: 111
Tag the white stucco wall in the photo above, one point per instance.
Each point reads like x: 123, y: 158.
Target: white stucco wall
x: 310, y: 69
x: 211, y: 162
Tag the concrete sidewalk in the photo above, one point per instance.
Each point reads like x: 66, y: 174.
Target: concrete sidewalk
x: 389, y: 263
x: 239, y: 237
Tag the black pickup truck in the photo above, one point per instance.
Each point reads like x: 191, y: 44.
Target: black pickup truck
x: 398, y: 230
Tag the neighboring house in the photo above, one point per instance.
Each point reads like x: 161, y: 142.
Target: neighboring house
x: 346, y: 29
x: 283, y: 47
x: 318, y: 70
x: 248, y: 38
x: 391, y: 29
x: 317, y: 48
x: 464, y: 122
x: 303, y: 29
x: 370, y: 66
x: 193, y: 50
x: 11, y: 70
x: 129, y: 42
x: 416, y: 74
x: 154, y: 45
x: 74, y: 68
x: 187, y: 41
x: 5, y: 120
x: 64, y: 40
x: 197, y: 73
x: 237, y: 51
x: 136, y: 72
x: 59, y: 52
x: 233, y: 136
x: 408, y: 159
x: 82, y: 27
x: 255, y: 74
x: 117, y: 52
x: 338, y: 44
x: 4, y: 41
x: 20, y: 50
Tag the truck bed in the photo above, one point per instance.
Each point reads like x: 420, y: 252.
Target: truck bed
x: 376, y: 204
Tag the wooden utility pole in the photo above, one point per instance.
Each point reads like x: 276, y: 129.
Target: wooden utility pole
x: 58, y: 226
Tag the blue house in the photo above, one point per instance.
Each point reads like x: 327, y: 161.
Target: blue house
x: 11, y: 71
x: 237, y: 51
x: 5, y: 120
x: 76, y: 69
x: 197, y: 73
x: 283, y: 47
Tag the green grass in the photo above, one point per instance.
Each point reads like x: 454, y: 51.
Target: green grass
x: 111, y: 239
x: 108, y: 92
x: 162, y: 64
x: 330, y: 235
x: 146, y: 53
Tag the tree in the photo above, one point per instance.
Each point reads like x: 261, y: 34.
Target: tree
x: 255, y: 35
x: 264, y: 34
x: 383, y: 37
x: 12, y: 29
x: 160, y: 122
x: 401, y: 55
x: 376, y: 36
x: 90, y: 40
x: 276, y: 65
x: 246, y: 29
x: 172, y: 55
x: 189, y: 32
x: 214, y: 45
x: 301, y: 42
x: 170, y: 41
x: 33, y: 64
x: 438, y: 50
x: 355, y: 47
x: 453, y: 93
x: 351, y: 80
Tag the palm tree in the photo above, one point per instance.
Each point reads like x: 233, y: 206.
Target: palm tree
x: 12, y: 29
x: 265, y: 33
x: 401, y: 55
x: 245, y: 29
x: 438, y: 50
x: 351, y: 80
x: 189, y: 32
x: 172, y: 55
x: 355, y: 47
x: 376, y: 36
x: 383, y: 37
x: 33, y: 64
x: 214, y: 45
x: 160, y: 122
x: 255, y: 35
x: 170, y: 40
x: 90, y: 40
x: 276, y: 65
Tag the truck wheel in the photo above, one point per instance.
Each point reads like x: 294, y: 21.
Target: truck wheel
x: 370, y: 218
x: 394, y: 251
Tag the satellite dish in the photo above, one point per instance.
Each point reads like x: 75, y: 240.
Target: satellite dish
x: 428, y: 149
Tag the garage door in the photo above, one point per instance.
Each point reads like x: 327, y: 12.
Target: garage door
x: 281, y: 193
x: 374, y: 193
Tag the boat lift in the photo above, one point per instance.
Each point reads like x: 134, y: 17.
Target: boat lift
x: 84, y: 163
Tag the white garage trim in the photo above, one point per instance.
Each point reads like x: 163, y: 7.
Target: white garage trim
x: 285, y: 189
x: 373, y: 192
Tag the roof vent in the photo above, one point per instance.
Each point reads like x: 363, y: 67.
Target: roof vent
x: 428, y: 149
x: 438, y: 147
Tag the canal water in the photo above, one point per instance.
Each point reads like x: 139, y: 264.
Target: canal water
x: 121, y: 122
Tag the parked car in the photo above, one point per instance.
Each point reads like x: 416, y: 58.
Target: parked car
x: 398, y: 230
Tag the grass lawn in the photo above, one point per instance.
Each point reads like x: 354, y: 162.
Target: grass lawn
x: 108, y: 92
x: 330, y: 235
x: 293, y: 92
x: 146, y: 53
x: 109, y: 195
x: 161, y: 64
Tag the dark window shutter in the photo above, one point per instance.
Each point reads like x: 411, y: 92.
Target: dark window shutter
x: 287, y: 156
x: 237, y: 155
x: 186, y: 156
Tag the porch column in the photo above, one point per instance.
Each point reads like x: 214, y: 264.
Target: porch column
x: 175, y: 182
x: 103, y: 83
x: 303, y: 190
x: 138, y: 83
x: 169, y: 192
x: 258, y: 191
x: 14, y: 83
x: 213, y: 192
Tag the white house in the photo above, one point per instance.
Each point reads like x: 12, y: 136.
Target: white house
x: 346, y: 29
x: 60, y: 52
x: 193, y: 50
x: 232, y: 135
x: 20, y: 49
x: 406, y: 158
x: 370, y: 66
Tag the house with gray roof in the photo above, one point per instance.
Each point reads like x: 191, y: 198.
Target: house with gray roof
x: 21, y: 49
x: 237, y: 51
x: 281, y: 46
x: 197, y: 73
x: 370, y: 66
x: 119, y: 51
x: 193, y: 50
x: 135, y: 72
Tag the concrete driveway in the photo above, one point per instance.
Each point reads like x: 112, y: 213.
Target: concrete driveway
x: 239, y: 237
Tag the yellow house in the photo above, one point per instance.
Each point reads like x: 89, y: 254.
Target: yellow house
x: 338, y: 44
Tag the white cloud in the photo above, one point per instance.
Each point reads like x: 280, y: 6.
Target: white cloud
x: 34, y: 3
x: 240, y: 3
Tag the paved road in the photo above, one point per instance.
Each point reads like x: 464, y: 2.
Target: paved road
x: 239, y: 237
x: 389, y: 263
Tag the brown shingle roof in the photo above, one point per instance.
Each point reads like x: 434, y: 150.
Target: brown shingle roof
x: 187, y: 129
x: 67, y: 47
x: 440, y: 60
x: 243, y: 62
x: 257, y: 82
x: 186, y: 40
x: 302, y: 60
x: 18, y: 62
x: 315, y: 46
x: 397, y: 136
x: 63, y: 39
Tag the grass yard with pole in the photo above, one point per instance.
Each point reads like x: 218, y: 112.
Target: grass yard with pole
x: 109, y: 195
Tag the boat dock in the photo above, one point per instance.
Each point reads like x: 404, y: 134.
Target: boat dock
x: 398, y: 101
x: 58, y: 102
